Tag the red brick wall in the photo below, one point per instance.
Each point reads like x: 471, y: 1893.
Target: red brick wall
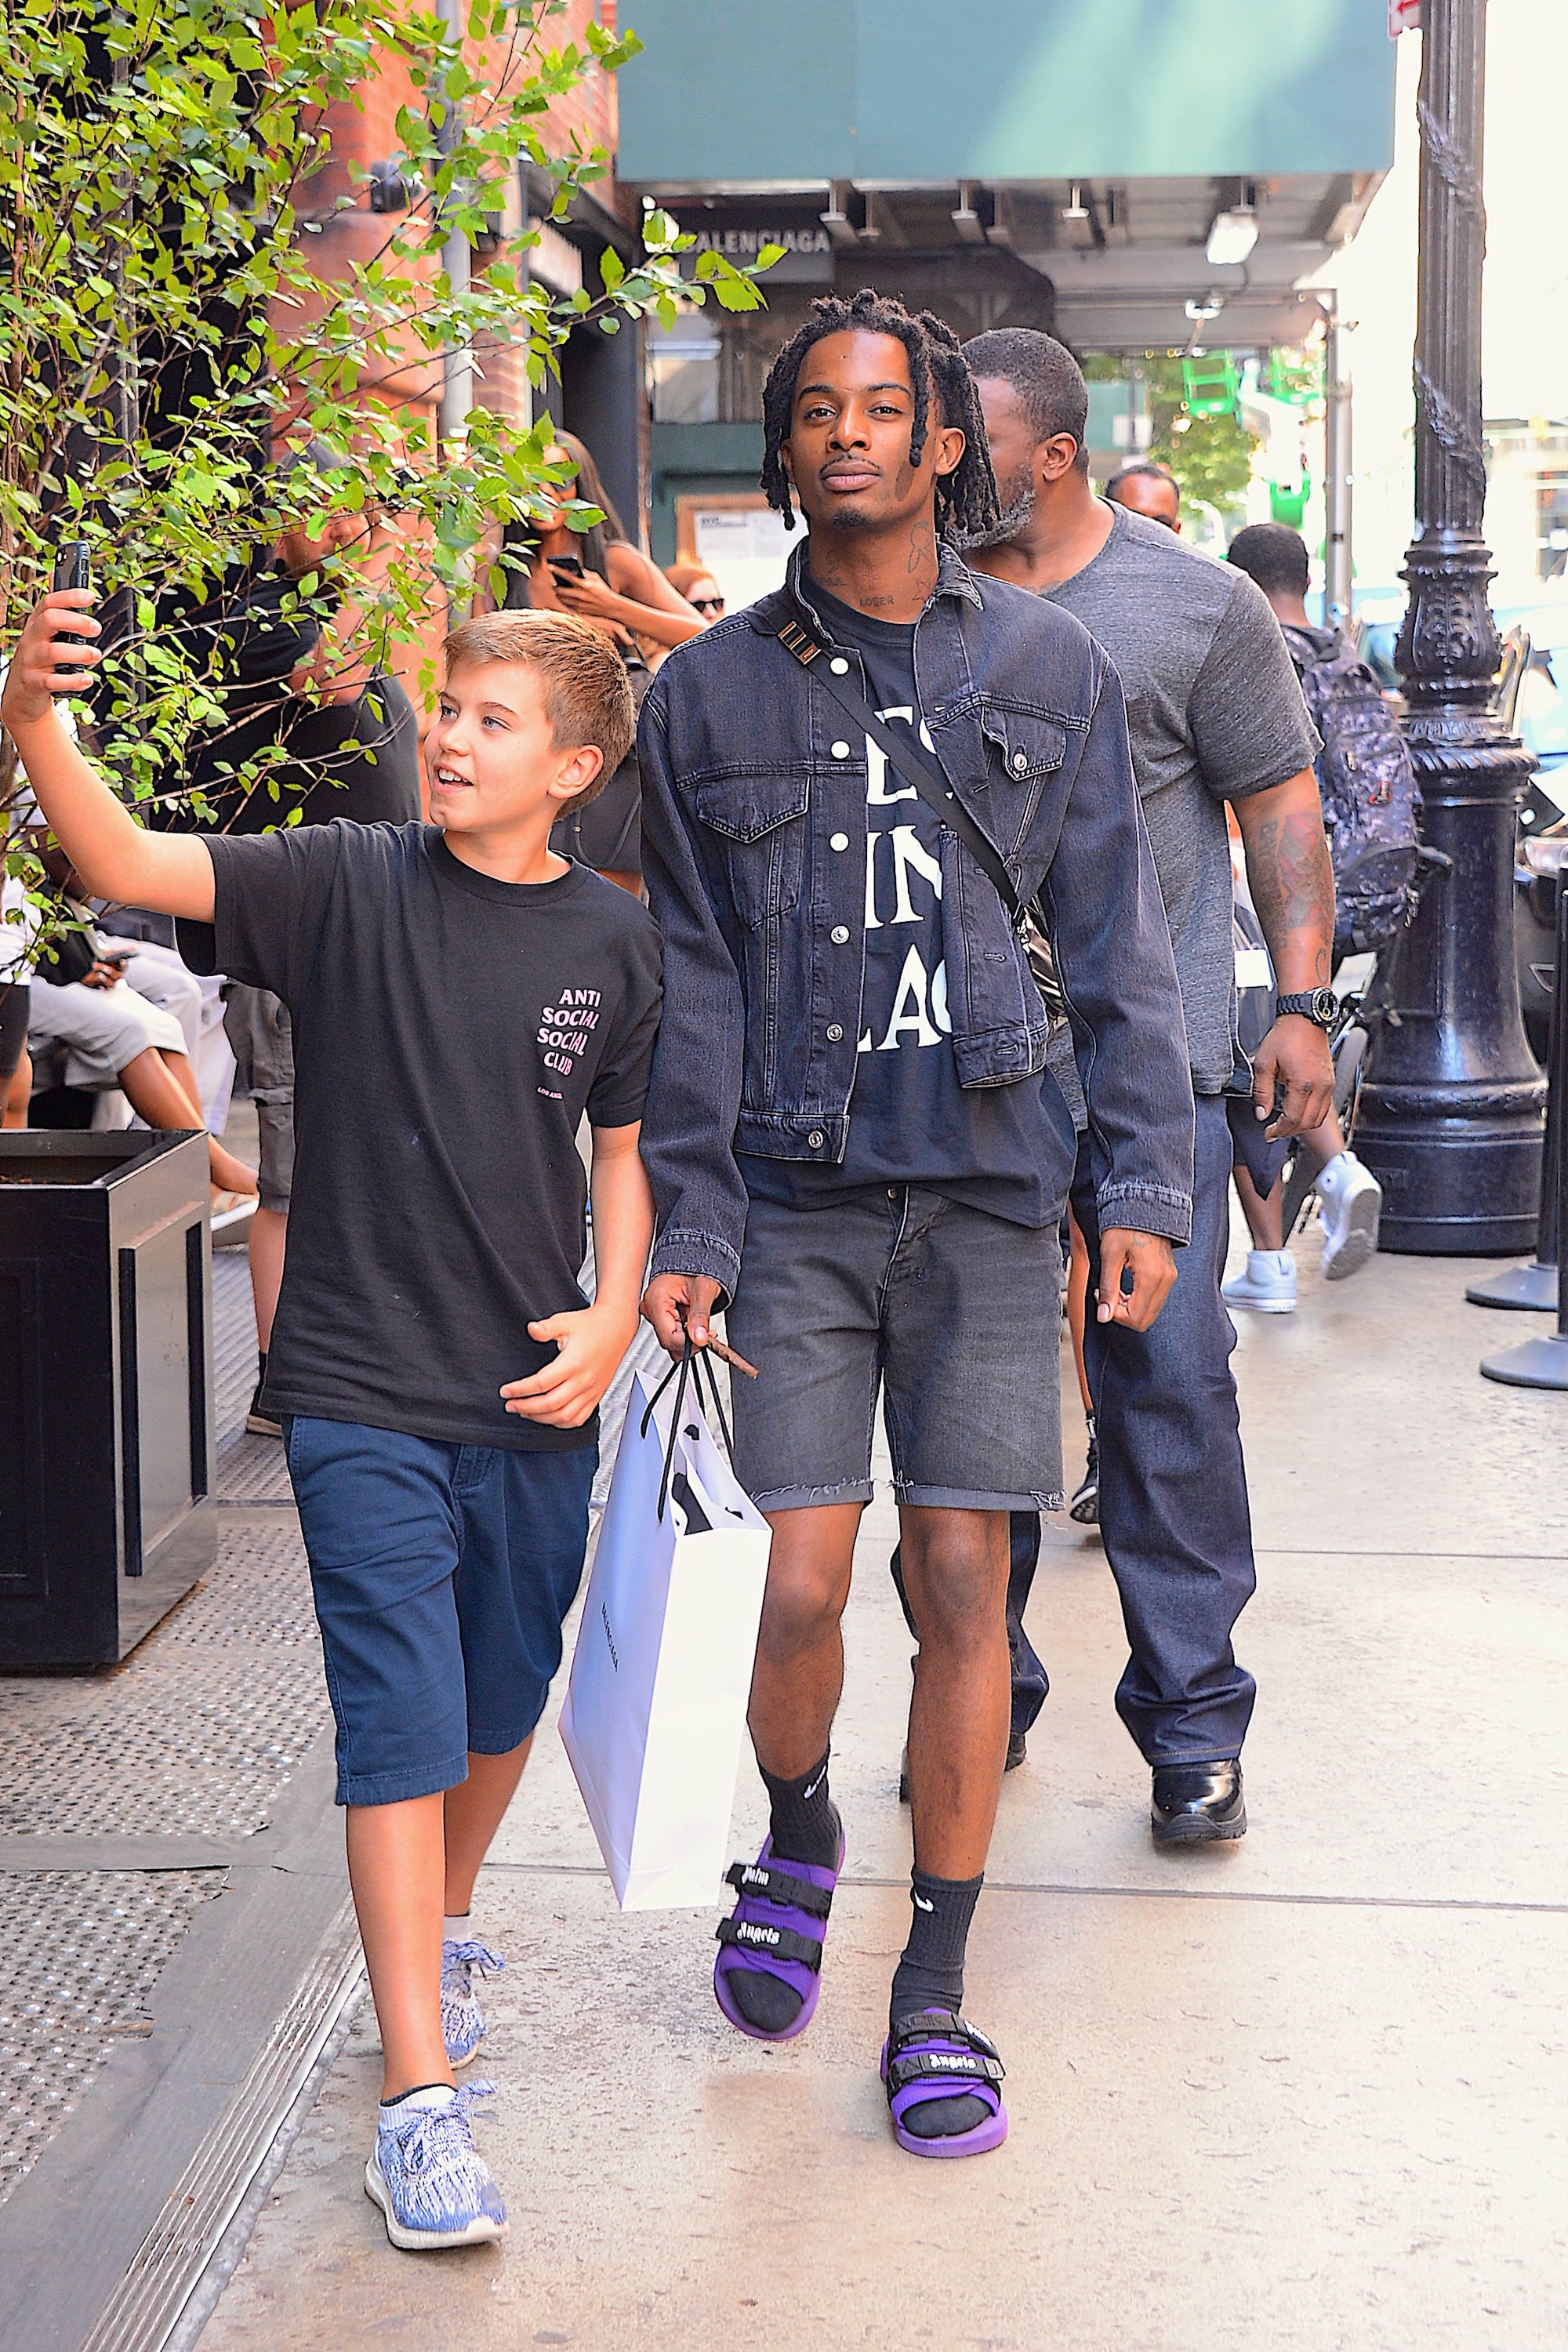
x: 364, y: 133
x: 367, y: 133
x: 590, y: 110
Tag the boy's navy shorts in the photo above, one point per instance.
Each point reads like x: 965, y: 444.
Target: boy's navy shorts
x: 442, y: 1576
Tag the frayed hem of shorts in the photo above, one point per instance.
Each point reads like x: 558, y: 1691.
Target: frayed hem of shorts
x: 960, y: 1499
x: 805, y: 1499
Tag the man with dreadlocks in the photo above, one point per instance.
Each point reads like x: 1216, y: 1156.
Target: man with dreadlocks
x: 850, y: 1130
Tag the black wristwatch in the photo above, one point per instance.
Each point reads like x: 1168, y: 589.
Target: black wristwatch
x: 1319, y: 1004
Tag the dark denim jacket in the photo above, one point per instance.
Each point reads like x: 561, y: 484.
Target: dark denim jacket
x: 754, y: 849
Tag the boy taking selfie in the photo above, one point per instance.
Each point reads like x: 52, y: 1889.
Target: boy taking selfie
x: 459, y: 998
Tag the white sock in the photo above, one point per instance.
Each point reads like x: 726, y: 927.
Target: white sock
x: 433, y: 2095
x: 457, y: 1931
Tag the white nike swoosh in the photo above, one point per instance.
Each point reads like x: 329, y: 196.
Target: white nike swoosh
x: 921, y: 1903
x: 813, y: 1789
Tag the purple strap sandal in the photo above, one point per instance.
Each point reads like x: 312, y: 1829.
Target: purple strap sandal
x: 935, y: 2054
x: 775, y: 1930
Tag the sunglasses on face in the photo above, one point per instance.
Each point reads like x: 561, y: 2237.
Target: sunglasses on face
x: 706, y: 603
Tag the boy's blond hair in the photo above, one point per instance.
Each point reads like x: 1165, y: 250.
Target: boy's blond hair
x: 582, y: 681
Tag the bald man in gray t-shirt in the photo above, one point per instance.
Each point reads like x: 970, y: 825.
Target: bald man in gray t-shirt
x: 1214, y: 715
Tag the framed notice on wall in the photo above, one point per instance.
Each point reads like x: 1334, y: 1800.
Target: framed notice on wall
x: 738, y: 537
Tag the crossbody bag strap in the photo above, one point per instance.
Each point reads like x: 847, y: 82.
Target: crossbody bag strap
x: 905, y: 753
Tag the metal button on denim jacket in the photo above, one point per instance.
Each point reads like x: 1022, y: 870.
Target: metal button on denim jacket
x: 754, y: 848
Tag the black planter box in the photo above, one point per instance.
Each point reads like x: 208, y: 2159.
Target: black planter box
x: 106, y: 1393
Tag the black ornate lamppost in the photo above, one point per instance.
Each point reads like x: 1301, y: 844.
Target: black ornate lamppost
x: 1452, y: 1109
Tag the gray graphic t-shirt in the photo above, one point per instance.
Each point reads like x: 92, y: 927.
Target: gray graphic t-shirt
x: 1214, y: 712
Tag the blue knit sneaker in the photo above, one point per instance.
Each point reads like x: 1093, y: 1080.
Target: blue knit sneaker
x: 433, y: 2187
x: 462, y: 2020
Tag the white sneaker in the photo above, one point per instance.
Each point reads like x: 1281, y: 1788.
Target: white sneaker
x: 432, y: 2186
x: 462, y: 2020
x: 1350, y: 1205
x: 1267, y: 1285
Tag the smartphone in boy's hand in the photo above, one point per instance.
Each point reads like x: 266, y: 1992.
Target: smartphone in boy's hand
x: 72, y: 568
x: 52, y: 656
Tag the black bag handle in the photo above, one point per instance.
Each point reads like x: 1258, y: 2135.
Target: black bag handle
x: 906, y: 754
x: 690, y: 1363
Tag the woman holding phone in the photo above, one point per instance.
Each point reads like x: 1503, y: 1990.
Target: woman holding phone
x: 598, y: 573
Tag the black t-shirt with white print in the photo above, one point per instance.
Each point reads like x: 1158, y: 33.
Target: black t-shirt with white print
x: 449, y: 1032
x: 910, y: 1122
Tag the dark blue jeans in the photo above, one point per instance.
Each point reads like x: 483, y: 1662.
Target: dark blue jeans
x: 1172, y: 1486
x: 1031, y: 1684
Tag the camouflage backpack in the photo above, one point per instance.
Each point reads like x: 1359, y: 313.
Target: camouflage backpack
x: 1368, y: 787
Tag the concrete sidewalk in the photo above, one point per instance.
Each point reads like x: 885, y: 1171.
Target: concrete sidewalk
x: 1305, y: 2092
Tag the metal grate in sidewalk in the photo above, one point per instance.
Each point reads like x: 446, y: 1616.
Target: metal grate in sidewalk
x: 252, y: 1470
x: 168, y: 2267
x: 79, y: 1954
x: 197, y: 1730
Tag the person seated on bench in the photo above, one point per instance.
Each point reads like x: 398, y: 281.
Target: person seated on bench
x: 97, y: 1032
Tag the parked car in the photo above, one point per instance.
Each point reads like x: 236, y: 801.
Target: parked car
x: 1535, y: 701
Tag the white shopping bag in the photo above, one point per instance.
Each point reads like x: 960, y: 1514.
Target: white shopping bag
x: 655, y: 1708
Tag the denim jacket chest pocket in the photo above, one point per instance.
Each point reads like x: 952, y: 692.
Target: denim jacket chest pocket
x: 1030, y: 749
x: 759, y: 819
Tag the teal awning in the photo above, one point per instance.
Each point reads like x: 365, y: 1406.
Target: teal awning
x: 786, y: 93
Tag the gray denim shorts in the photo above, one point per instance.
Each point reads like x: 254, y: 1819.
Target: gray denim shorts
x: 954, y: 1314
x: 258, y: 1026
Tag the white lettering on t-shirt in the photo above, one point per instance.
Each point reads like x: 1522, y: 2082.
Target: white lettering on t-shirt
x: 566, y: 1026
x: 909, y: 1007
x: 919, y: 1014
x: 877, y: 793
x: 908, y: 851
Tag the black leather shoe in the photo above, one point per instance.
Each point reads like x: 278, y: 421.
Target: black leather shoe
x: 1197, y: 1804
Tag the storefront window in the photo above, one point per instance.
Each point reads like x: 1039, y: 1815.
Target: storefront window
x: 1551, y: 523
x: 683, y: 361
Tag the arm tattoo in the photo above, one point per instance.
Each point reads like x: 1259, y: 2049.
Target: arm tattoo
x: 1293, y: 883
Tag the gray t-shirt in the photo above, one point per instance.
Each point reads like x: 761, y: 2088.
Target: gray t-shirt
x: 1213, y: 712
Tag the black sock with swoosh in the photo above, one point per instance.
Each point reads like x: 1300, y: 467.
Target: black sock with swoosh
x: 931, y: 1976
x: 804, y: 1826
x: 803, y: 1820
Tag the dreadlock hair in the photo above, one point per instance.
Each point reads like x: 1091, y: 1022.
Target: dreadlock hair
x: 965, y: 498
